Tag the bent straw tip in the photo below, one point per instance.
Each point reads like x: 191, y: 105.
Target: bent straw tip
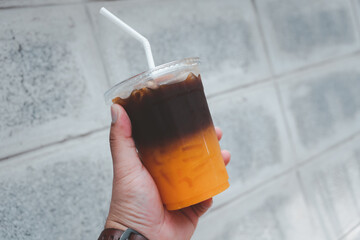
x: 103, y: 10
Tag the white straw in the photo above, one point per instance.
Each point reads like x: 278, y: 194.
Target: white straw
x: 133, y: 33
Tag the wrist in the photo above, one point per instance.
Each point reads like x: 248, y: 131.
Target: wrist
x: 116, y: 225
x: 112, y: 234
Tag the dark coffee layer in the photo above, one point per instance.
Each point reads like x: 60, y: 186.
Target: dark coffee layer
x: 169, y: 112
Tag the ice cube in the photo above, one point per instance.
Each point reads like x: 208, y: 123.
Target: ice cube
x: 151, y: 84
x: 191, y: 77
x: 137, y: 95
x: 119, y: 101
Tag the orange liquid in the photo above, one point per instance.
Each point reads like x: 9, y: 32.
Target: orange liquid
x: 189, y: 170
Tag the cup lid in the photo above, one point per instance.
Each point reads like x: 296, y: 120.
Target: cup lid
x: 162, y: 74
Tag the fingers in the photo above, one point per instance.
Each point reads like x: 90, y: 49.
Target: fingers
x: 125, y: 158
x: 218, y: 133
x: 200, y: 208
x: 226, y: 156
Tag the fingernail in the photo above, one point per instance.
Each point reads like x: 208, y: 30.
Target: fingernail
x: 114, y: 114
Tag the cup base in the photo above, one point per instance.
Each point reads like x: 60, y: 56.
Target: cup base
x: 199, y: 198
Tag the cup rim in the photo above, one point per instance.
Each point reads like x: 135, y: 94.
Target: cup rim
x: 150, y: 74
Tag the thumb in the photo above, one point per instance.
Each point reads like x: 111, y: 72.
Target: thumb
x: 123, y: 151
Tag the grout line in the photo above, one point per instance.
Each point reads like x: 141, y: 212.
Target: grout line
x: 330, y: 148
x: 54, y: 143
x: 350, y: 231
x: 356, y: 15
x: 285, y: 119
x: 287, y: 171
x: 235, y: 88
x: 261, y: 184
x: 320, y: 64
x: 313, y: 214
x: 288, y: 73
x: 98, y: 47
x: 262, y: 36
x: 41, y: 5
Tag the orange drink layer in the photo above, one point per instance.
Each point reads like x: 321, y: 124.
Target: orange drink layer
x: 189, y: 170
x: 175, y: 137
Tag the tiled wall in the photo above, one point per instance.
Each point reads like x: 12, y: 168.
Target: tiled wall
x: 282, y: 79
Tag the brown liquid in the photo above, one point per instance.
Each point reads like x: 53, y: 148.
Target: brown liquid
x: 176, y: 140
x: 167, y: 113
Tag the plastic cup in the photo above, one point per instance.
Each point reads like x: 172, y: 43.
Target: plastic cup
x: 173, y: 132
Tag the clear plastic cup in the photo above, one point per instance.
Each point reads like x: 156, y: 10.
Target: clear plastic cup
x: 173, y: 132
